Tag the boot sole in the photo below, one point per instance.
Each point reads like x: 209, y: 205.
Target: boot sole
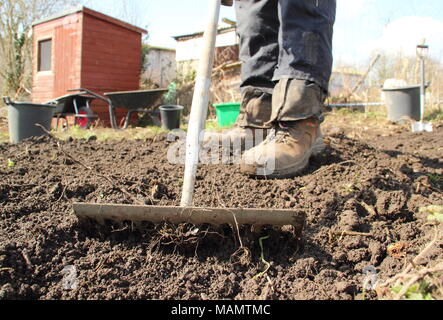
x: 288, y: 172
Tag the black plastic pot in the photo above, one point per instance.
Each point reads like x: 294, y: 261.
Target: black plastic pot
x: 403, y: 103
x: 171, y: 116
x: 24, y: 118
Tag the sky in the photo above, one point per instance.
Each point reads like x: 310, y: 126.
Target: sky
x: 362, y: 26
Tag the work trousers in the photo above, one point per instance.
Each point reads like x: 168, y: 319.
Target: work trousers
x: 286, y: 50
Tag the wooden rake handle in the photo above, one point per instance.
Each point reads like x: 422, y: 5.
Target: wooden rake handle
x: 200, y: 103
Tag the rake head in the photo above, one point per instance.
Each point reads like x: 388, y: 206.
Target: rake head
x: 257, y: 218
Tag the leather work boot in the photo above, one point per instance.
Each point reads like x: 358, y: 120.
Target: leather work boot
x: 251, y: 127
x: 286, y: 151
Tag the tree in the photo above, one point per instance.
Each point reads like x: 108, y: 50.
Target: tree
x: 16, y: 18
x: 130, y: 11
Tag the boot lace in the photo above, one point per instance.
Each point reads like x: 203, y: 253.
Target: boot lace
x: 278, y: 135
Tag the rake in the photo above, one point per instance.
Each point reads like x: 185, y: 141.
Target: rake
x: 186, y: 213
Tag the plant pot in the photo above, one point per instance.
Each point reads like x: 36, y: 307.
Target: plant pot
x: 171, y: 116
x: 227, y: 114
x: 24, y: 118
x: 403, y: 103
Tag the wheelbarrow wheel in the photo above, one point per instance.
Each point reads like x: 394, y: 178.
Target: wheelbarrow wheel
x: 86, y: 121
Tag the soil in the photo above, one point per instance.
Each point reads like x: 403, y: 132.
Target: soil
x: 360, y: 196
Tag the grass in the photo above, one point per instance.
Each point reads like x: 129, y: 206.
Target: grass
x: 4, y: 137
x: 105, y: 134
x: 108, y: 134
x: 434, y: 115
x: 11, y: 163
x: 436, y: 179
x: 419, y: 291
x: 435, y: 213
x: 375, y: 113
x: 266, y: 264
x: 374, y: 117
x: 211, y: 125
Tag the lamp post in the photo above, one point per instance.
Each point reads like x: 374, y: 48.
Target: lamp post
x: 422, y: 53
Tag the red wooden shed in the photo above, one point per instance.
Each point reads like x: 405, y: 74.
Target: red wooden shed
x: 83, y: 48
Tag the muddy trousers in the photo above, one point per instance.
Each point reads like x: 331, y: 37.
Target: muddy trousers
x: 286, y: 50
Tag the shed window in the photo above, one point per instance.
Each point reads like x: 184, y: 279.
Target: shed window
x: 44, y: 55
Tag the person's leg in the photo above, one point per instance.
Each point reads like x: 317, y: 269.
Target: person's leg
x: 258, y: 27
x: 305, y: 59
x: 304, y: 69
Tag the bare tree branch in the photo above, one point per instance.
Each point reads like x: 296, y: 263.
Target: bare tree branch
x: 16, y: 17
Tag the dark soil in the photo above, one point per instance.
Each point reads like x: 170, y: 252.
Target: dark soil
x: 375, y: 186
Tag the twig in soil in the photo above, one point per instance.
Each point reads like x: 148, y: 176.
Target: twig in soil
x: 19, y: 185
x: 335, y: 164
x: 417, y: 189
x: 388, y: 235
x: 341, y: 234
x: 351, y: 233
x: 243, y: 252
x: 238, y: 230
x: 242, y: 256
x: 26, y: 258
x: 45, y: 130
x: 406, y: 273
x: 424, y: 252
x: 414, y: 278
x: 101, y: 264
x: 63, y: 194
x: 6, y: 269
x: 269, y: 288
x: 120, y: 230
x: 368, y: 208
x: 205, y: 233
x: 122, y: 190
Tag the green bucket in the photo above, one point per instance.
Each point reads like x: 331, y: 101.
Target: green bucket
x: 227, y: 114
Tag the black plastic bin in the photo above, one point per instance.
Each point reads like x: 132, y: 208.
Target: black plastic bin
x: 171, y: 116
x: 24, y: 118
x: 403, y: 103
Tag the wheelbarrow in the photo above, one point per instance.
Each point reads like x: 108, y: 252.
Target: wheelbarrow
x: 142, y: 101
x: 76, y: 105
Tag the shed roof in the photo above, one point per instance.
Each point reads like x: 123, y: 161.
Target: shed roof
x: 161, y: 48
x: 200, y: 34
x: 91, y: 12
